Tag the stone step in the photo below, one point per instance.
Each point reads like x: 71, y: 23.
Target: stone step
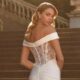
x: 14, y: 59
x: 21, y: 34
x: 25, y: 73
x: 68, y: 34
x: 70, y: 48
x: 67, y: 44
x: 58, y: 30
x: 67, y: 51
x: 70, y: 79
x: 69, y: 38
x: 11, y: 48
x: 9, y: 59
x: 18, y: 66
x: 28, y: 79
x: 14, y: 79
x: 17, y: 50
x: 20, y: 40
x: 71, y: 74
x: 72, y: 59
x: 14, y: 37
x: 11, y: 66
x: 20, y: 44
x: 68, y: 30
x: 72, y: 66
x: 10, y: 53
x: 67, y: 54
x: 63, y: 45
x: 17, y: 53
x: 12, y: 34
x: 17, y: 59
x: 14, y: 74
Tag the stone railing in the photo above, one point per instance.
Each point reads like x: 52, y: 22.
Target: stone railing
x: 1, y: 25
x: 18, y: 7
x: 25, y: 10
x: 62, y: 22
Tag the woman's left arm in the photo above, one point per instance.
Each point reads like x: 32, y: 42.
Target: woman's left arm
x: 56, y: 46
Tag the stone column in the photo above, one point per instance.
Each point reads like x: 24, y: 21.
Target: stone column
x: 23, y: 12
x: 75, y: 14
x: 28, y: 16
x: 10, y: 6
x: 19, y: 10
x: 15, y: 8
x: 3, y: 4
x: 1, y: 25
x: 6, y: 2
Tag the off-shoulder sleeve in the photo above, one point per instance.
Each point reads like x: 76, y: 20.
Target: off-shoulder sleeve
x: 53, y: 36
x: 27, y: 44
x: 49, y: 37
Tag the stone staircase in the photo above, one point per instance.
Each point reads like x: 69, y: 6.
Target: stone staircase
x: 11, y: 22
x: 70, y: 42
x: 10, y: 52
x: 15, y: 15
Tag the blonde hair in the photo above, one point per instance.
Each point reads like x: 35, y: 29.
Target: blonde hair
x: 43, y: 6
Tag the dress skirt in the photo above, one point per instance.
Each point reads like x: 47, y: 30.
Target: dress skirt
x: 48, y: 71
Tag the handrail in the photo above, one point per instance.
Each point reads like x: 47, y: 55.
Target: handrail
x: 24, y: 10
x: 1, y: 25
x: 19, y: 7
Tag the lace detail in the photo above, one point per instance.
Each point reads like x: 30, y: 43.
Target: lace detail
x: 41, y: 49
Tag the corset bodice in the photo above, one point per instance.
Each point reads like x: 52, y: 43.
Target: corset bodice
x: 41, y: 49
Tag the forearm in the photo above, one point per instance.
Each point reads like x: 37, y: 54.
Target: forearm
x: 60, y: 63
x: 60, y: 59
x: 59, y: 56
x: 28, y: 64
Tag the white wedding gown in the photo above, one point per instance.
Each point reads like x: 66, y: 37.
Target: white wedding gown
x: 45, y: 67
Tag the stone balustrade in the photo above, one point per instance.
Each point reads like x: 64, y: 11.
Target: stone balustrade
x: 25, y: 10
x: 18, y: 7
x: 1, y: 25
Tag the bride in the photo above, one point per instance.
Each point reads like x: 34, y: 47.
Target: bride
x: 42, y: 40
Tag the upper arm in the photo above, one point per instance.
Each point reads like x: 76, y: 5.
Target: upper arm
x: 25, y: 53
x: 57, y: 48
x: 55, y: 42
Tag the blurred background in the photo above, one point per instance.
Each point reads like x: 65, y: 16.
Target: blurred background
x: 15, y: 16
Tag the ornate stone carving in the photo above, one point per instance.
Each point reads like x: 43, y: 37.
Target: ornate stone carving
x: 75, y: 3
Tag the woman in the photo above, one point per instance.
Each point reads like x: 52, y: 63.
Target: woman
x: 42, y: 40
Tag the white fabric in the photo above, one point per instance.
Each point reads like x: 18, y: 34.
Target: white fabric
x: 44, y: 55
x: 48, y: 71
x: 41, y: 41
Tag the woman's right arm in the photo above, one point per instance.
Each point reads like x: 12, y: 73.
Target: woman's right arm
x: 24, y: 58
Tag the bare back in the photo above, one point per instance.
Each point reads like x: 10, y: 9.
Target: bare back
x: 39, y: 32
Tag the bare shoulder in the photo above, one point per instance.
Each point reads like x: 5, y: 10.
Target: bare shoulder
x: 49, y: 29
